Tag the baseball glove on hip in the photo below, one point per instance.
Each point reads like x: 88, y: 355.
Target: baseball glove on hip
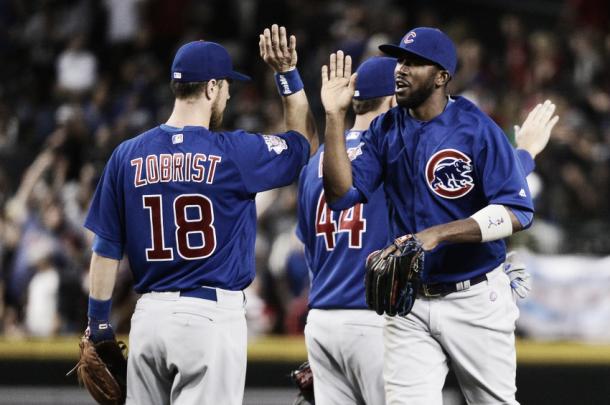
x: 393, y: 276
x: 303, y: 378
x: 102, y: 369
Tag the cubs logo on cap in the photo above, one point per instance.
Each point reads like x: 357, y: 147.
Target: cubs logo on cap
x: 448, y: 174
x: 426, y: 42
x: 410, y: 37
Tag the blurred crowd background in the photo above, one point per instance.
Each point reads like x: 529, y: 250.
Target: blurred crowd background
x: 80, y: 76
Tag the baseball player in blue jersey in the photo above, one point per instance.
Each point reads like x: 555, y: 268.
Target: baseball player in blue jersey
x: 344, y: 338
x: 452, y: 179
x: 178, y: 200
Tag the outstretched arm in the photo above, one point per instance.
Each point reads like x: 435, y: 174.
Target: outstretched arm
x: 280, y: 54
x: 338, y: 86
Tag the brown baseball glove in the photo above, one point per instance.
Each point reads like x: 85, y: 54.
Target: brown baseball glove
x: 393, y: 276
x: 102, y: 369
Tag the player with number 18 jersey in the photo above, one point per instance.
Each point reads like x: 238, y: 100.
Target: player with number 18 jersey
x: 186, y: 199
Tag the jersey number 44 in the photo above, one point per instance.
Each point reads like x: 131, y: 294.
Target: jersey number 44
x: 350, y: 220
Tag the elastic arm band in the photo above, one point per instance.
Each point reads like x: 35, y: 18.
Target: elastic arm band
x: 288, y: 82
x: 494, y: 222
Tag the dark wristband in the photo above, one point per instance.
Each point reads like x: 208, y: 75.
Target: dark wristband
x: 288, y: 82
x: 99, y: 310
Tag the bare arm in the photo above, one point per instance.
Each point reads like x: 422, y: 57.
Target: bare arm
x: 282, y: 57
x: 461, y: 231
x: 338, y: 85
x: 102, y: 277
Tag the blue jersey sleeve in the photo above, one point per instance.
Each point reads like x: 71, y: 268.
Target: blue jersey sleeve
x: 502, y: 175
x: 526, y: 161
x: 107, y: 207
x: 367, y: 169
x: 301, y: 230
x: 268, y: 161
x: 107, y: 248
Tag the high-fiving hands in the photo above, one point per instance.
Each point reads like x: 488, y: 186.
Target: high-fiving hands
x: 277, y: 50
x: 338, y: 83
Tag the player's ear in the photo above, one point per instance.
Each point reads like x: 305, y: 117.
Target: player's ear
x: 211, y: 88
x: 442, y: 78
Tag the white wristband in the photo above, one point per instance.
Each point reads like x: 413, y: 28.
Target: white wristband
x: 494, y: 222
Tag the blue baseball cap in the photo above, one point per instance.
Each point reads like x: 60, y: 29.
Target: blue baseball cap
x: 428, y: 43
x: 200, y: 61
x: 375, y: 78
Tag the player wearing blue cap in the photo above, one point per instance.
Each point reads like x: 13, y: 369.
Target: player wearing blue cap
x: 344, y: 338
x: 178, y: 200
x: 452, y: 179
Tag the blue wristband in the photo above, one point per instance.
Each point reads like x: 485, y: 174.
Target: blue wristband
x: 99, y: 310
x: 288, y: 82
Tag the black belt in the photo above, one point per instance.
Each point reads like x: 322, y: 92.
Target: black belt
x: 441, y: 289
x: 205, y: 293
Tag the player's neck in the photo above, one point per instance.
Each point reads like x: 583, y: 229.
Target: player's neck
x: 363, y: 121
x: 189, y: 114
x: 431, y: 108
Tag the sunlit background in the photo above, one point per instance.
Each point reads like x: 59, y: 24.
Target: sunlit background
x: 81, y: 76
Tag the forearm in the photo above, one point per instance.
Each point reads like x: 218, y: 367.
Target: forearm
x: 298, y: 117
x: 102, y: 275
x: 336, y: 166
x: 465, y: 230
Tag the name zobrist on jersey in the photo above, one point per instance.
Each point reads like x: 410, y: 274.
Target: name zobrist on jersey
x: 177, y: 167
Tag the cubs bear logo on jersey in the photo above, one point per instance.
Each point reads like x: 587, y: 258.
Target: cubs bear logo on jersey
x: 448, y: 173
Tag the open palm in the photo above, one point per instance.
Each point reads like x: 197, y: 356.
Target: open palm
x: 338, y: 83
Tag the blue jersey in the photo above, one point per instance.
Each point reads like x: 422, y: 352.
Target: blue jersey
x: 440, y: 171
x: 181, y: 202
x: 337, y: 243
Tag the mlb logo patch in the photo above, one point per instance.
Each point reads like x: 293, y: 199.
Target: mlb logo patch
x: 275, y: 143
x: 177, y: 75
x: 357, y: 93
x: 177, y: 138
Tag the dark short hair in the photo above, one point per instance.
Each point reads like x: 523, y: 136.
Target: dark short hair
x: 187, y: 90
x: 364, y: 106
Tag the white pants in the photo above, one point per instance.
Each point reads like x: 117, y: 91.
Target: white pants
x: 471, y: 331
x: 185, y: 351
x: 345, y: 351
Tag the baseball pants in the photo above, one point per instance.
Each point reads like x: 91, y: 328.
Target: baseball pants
x: 345, y: 351
x: 185, y: 351
x: 471, y: 331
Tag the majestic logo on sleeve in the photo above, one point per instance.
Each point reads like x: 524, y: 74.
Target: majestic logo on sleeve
x: 448, y: 173
x: 275, y: 143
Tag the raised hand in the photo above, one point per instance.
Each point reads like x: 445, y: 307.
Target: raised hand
x: 534, y: 133
x: 275, y: 49
x: 338, y: 83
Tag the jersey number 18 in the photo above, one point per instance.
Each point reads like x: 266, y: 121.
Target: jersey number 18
x: 202, y: 224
